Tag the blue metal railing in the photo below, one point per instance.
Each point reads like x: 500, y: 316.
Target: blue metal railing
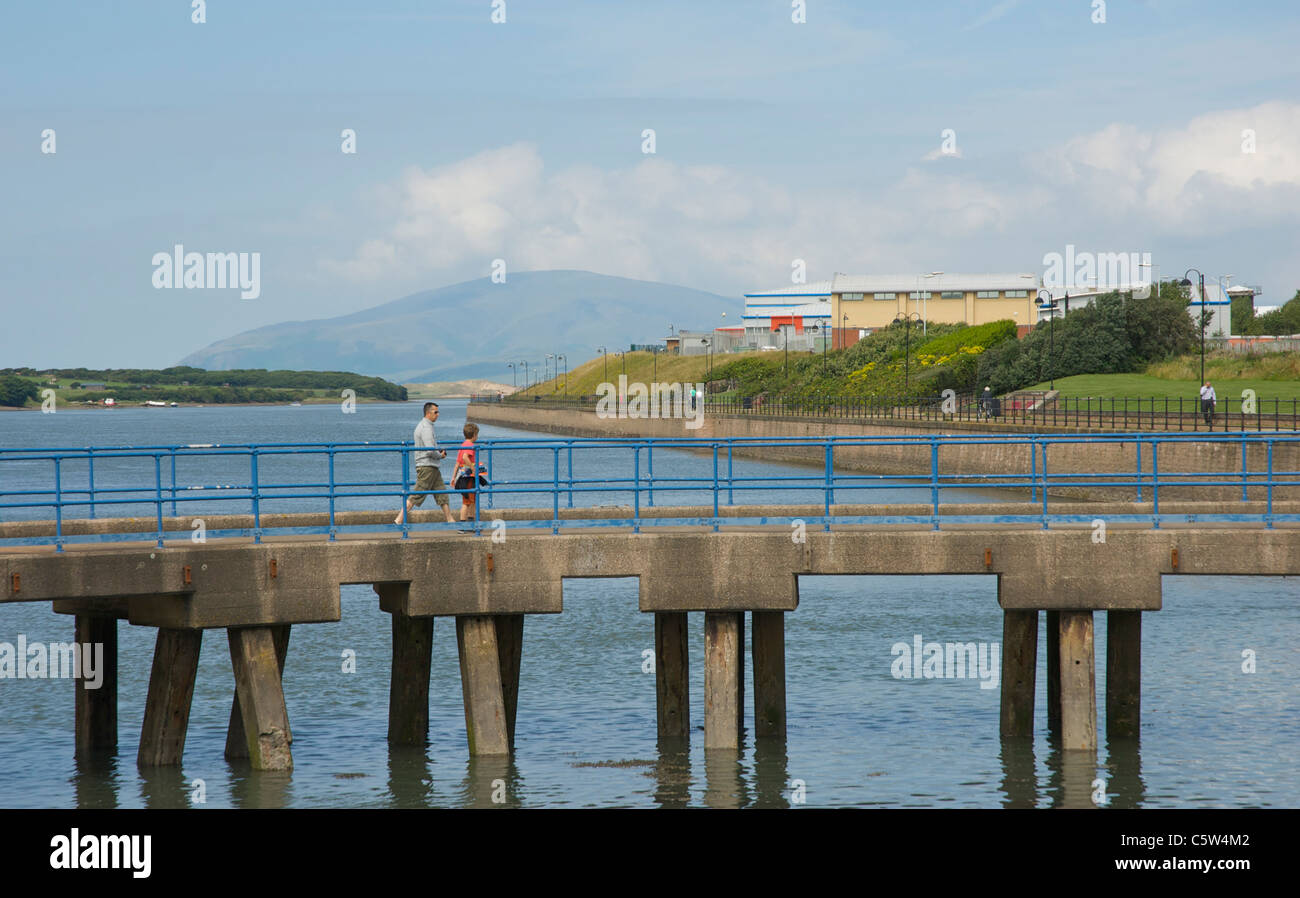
x: 540, y: 485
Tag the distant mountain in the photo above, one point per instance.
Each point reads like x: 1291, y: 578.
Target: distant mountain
x: 471, y: 330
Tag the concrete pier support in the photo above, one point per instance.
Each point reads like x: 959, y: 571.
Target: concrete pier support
x: 1078, y: 682
x: 1123, y: 673
x: 724, y: 678
x: 96, y: 709
x: 510, y: 647
x: 1019, y: 669
x: 1052, y: 623
x: 408, y: 688
x: 769, y: 673
x: 167, y: 707
x: 236, y: 740
x: 261, y: 697
x: 480, y: 680
x: 672, y: 677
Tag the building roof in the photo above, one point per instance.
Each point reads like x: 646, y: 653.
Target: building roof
x: 804, y: 310
x: 907, y: 283
x: 816, y: 288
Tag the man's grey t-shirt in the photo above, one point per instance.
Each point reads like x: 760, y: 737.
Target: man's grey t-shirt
x: 424, y: 438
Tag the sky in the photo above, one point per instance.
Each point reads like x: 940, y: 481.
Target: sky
x: 870, y: 138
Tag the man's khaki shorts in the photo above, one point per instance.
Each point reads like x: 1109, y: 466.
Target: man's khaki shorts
x: 428, y: 477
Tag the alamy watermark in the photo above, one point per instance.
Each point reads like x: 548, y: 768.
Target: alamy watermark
x: 947, y: 661
x: 1086, y: 271
x: 53, y: 661
x: 638, y: 400
x: 200, y: 271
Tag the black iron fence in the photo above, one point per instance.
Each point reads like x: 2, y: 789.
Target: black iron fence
x: 1030, y: 409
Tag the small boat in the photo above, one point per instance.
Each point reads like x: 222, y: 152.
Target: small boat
x: 295, y: 405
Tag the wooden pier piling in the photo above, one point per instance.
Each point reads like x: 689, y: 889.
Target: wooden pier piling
x: 257, y: 665
x: 1123, y: 673
x: 1078, y: 682
x: 1019, y: 671
x: 769, y: 673
x: 171, y: 688
x: 672, y: 677
x: 480, y: 679
x: 724, y: 678
x: 96, y: 709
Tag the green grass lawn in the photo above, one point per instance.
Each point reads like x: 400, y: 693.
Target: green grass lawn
x: 1119, y: 386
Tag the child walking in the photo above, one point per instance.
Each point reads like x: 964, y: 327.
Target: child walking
x: 463, y: 475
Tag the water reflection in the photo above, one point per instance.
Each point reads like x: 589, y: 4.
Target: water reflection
x: 672, y: 773
x: 1125, y: 787
x: 1019, y: 777
x: 724, y: 782
x: 771, y: 773
x: 259, y: 788
x: 410, y: 777
x: 164, y: 787
x: 95, y: 781
x: 491, y: 782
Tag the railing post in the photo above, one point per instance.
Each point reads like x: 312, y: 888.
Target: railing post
x: 1268, y: 514
x: 1138, y: 445
x: 331, y: 469
x: 406, y: 479
x: 1044, y: 486
x: 934, y: 480
x: 1033, y: 468
x: 58, y: 513
x: 570, y: 480
x: 257, y: 501
x: 730, y: 482
x: 1244, y: 479
x: 636, y: 489
x: 158, y: 499
x: 1155, y: 481
x: 555, y: 489
x: 715, y: 487
x: 173, y: 455
x: 91, y: 459
x: 830, y: 481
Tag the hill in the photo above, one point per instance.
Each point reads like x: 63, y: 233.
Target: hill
x: 473, y: 329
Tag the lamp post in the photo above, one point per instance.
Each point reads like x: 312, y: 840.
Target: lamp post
x: 844, y: 326
x: 1050, y: 305
x: 924, y: 317
x: 547, y: 362
x: 820, y: 330
x: 705, y: 342
x: 601, y: 349
x: 1200, y: 317
x: 655, y: 352
x: 565, y: 359
x: 514, y: 375
x: 907, y: 318
x: 525, y: 364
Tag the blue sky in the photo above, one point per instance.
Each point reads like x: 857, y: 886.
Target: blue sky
x: 775, y: 141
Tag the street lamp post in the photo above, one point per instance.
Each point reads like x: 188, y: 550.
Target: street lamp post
x: 924, y: 317
x: 907, y: 318
x: 514, y: 375
x: 1050, y: 305
x: 844, y: 326
x: 601, y: 349
x: 525, y: 364
x: 705, y: 341
x: 1200, y: 316
x: 565, y: 359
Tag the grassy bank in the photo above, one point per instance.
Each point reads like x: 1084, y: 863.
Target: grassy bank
x: 1271, y: 376
x: 640, y: 367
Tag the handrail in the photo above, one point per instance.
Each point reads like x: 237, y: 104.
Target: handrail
x: 113, y: 479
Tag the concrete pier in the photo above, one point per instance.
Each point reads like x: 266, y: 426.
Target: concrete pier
x: 1078, y: 682
x: 96, y: 709
x: 1123, y: 673
x: 724, y: 678
x: 167, y: 707
x: 257, y: 592
x: 236, y: 740
x: 257, y: 666
x: 1019, y: 670
x: 768, y: 637
x: 480, y: 679
x: 672, y: 677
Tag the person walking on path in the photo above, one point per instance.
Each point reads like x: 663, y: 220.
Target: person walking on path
x: 1208, y: 400
x: 462, y: 477
x: 986, y: 403
x: 427, y: 456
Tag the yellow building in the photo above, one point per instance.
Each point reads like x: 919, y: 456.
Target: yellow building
x: 870, y: 302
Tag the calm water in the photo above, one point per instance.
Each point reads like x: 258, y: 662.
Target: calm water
x: 1212, y: 735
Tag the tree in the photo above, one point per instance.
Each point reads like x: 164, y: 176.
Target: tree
x: 15, y: 391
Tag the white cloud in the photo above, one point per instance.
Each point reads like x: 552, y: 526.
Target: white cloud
x: 714, y: 226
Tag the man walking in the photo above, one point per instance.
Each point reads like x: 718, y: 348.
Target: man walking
x: 427, y: 456
x: 1207, y: 403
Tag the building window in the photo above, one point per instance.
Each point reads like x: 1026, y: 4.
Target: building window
x: 850, y: 297
x: 986, y: 294
x: 884, y: 296
x: 952, y: 294
x: 917, y: 294
x: 1017, y: 294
